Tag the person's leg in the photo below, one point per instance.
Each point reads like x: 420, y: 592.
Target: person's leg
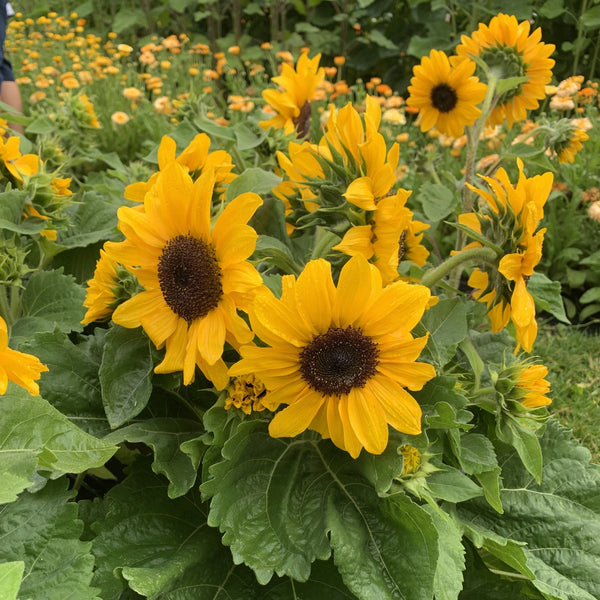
x: 10, y: 94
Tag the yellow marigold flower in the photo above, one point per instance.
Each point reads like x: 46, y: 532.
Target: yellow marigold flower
x: 446, y: 96
x: 132, y: 93
x: 102, y: 290
x: 195, y: 273
x: 391, y: 236
x: 340, y: 357
x: 507, y: 46
x: 293, y: 103
x: 18, y: 367
x: 246, y: 393
x: 119, y: 117
x: 18, y: 165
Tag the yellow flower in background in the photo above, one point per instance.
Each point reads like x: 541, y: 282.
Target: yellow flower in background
x: 119, y: 117
x: 246, y: 393
x: 446, y: 95
x: 341, y: 358
x: 195, y: 158
x: 18, y: 367
x: 102, y: 290
x: 391, y: 237
x: 507, y: 47
x: 195, y: 274
x: 573, y: 146
x: 534, y: 386
x: 292, y: 105
x: 18, y: 165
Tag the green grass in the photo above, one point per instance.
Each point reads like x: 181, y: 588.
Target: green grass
x: 572, y: 356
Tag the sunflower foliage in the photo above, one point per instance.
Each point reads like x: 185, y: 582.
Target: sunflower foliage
x: 283, y: 357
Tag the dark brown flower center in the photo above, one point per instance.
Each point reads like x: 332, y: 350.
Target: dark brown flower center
x: 190, y: 277
x: 443, y: 97
x: 339, y: 360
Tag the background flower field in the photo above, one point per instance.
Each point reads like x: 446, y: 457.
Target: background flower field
x: 136, y: 466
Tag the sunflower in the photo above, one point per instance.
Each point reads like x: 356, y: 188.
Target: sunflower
x: 17, y: 164
x: 292, y: 104
x: 195, y: 158
x: 532, y: 386
x: 446, y: 95
x: 574, y: 144
x: 509, y: 217
x: 195, y: 276
x: 340, y: 357
x: 18, y: 367
x: 507, y: 47
x: 391, y: 237
x: 102, y: 290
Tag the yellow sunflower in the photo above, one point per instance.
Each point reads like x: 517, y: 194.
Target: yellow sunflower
x: 533, y: 386
x: 393, y: 235
x: 575, y: 143
x: 196, y: 158
x: 102, y: 289
x: 195, y: 276
x: 18, y: 367
x: 509, y: 217
x: 340, y: 357
x: 18, y: 164
x: 292, y: 104
x: 505, y: 45
x: 446, y: 95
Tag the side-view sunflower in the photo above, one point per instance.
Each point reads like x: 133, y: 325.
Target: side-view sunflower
x: 292, y: 102
x: 393, y: 235
x: 506, y: 46
x: 341, y: 358
x: 102, y: 290
x: 195, y: 276
x: 18, y: 367
x: 509, y: 217
x: 446, y: 95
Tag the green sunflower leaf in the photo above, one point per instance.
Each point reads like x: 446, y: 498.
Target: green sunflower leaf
x: 446, y: 323
x: 165, y: 436
x: 51, y: 299
x: 35, y: 434
x: 163, y: 548
x: 256, y: 179
x: 72, y: 367
x: 557, y: 520
x: 10, y: 579
x: 125, y: 374
x: 276, y: 500
x: 42, y: 530
x: 451, y: 561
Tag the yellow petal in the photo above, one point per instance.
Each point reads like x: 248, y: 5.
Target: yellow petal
x: 297, y: 417
x: 368, y: 420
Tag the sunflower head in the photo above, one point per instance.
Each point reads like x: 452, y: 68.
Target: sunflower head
x: 340, y: 358
x: 193, y: 272
x: 509, y: 50
x: 509, y: 217
x: 446, y: 94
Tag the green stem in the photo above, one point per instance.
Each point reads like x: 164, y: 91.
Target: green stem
x: 435, y: 275
x: 15, y: 303
x: 5, y: 312
x: 580, y: 36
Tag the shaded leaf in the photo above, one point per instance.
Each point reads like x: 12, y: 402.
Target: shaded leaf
x: 43, y: 531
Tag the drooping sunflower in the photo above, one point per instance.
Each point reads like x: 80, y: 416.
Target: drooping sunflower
x: 391, y: 236
x: 195, y: 276
x: 18, y: 367
x: 509, y: 217
x: 340, y: 357
x: 574, y: 144
x: 292, y: 102
x: 446, y: 95
x: 17, y: 164
x: 507, y: 46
